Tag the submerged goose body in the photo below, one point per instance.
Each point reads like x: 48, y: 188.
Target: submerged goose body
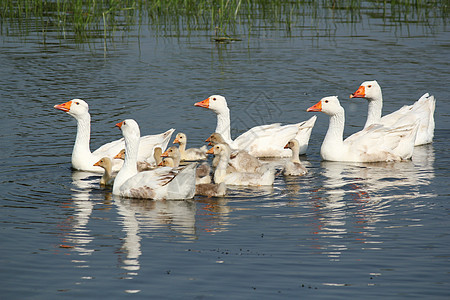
x: 160, y: 183
x: 265, y: 175
x: 259, y: 141
x: 191, y: 154
x: 421, y: 111
x: 82, y: 157
x: 373, y: 144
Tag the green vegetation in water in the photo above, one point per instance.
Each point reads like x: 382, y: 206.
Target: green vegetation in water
x: 82, y: 20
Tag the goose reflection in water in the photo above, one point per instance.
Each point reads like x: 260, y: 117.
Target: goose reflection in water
x: 139, y: 217
x: 79, y: 236
x: 354, y: 197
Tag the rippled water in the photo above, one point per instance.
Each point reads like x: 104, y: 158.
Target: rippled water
x: 343, y: 231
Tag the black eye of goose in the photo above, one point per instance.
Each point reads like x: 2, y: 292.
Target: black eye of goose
x: 214, y: 99
x: 326, y: 101
x: 369, y: 86
x: 77, y: 103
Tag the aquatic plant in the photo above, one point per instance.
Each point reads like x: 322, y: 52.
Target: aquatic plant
x: 84, y: 20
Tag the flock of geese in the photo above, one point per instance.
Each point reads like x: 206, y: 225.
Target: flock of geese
x: 143, y: 167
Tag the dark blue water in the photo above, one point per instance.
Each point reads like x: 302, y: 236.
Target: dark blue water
x: 343, y: 231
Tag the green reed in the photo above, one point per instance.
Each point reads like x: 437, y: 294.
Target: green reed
x: 82, y: 20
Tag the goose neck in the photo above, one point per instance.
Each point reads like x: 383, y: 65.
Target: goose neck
x: 223, y: 124
x: 335, y: 133
x: 129, y: 167
x: 374, y: 111
x: 221, y: 169
x: 295, y: 154
x: 82, y: 140
x: 182, y: 148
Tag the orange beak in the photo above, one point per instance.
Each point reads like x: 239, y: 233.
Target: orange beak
x: 119, y: 156
x: 176, y: 141
x: 316, y: 107
x: 98, y: 163
x: 210, y: 151
x: 165, y: 154
x: 360, y: 93
x: 209, y: 140
x: 160, y: 164
x: 204, y: 103
x: 286, y: 147
x: 64, y: 106
x: 119, y: 125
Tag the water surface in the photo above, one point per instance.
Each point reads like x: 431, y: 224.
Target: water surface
x: 343, y: 231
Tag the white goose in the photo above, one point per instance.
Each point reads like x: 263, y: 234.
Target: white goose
x: 82, y: 157
x: 259, y: 141
x: 190, y: 154
x: 160, y: 183
x: 373, y: 144
x: 264, y: 176
x: 422, y: 110
x: 294, y: 167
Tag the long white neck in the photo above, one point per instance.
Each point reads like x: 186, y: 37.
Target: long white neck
x: 333, y: 142
x: 374, y: 111
x: 221, y: 169
x: 223, y: 125
x: 81, y: 150
x: 129, y: 168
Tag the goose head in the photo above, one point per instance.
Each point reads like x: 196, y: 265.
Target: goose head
x: 368, y: 89
x: 214, y: 139
x: 329, y: 105
x: 172, y: 152
x: 130, y: 129
x: 75, y: 107
x: 105, y: 163
x: 167, y: 162
x: 180, y: 138
x: 220, y: 150
x: 120, y: 155
x: 292, y: 144
x: 215, y: 103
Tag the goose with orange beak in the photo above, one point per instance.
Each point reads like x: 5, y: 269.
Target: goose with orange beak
x: 421, y: 111
x: 259, y: 141
x: 161, y: 183
x: 191, y: 154
x: 82, y: 157
x: 373, y: 144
